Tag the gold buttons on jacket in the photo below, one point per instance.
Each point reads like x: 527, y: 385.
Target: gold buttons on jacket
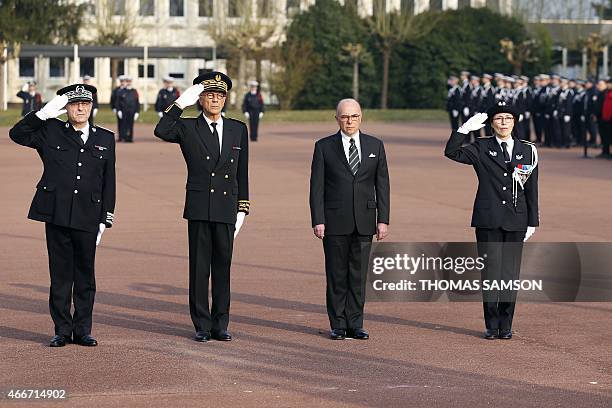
x: 212, y: 174
x: 212, y: 190
x: 207, y: 157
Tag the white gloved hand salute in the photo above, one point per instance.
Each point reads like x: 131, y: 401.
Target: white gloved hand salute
x: 53, y: 108
x: 190, y: 96
x: 529, y: 233
x: 100, y: 232
x: 239, y: 222
x: 474, y: 123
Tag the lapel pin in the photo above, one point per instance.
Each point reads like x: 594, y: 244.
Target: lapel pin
x: 372, y: 155
x: 100, y: 147
x: 519, y: 157
x: 236, y: 147
x: 493, y: 153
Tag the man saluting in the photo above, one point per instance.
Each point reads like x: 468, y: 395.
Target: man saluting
x: 75, y: 198
x: 506, y: 207
x: 217, y: 201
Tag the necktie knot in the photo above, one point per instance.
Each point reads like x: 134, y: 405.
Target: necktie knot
x: 352, y: 141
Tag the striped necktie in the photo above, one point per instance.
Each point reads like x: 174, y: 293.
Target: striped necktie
x: 353, y: 157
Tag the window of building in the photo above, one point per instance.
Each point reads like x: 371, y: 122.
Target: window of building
x: 435, y: 5
x: 205, y: 8
x: 150, y: 71
x: 293, y: 7
x: 57, y: 67
x: 147, y: 8
x: 120, y: 67
x: 87, y: 66
x: 407, y: 7
x: 177, y: 68
x: 26, y: 66
x: 177, y: 8
x: 264, y: 8
x: 118, y: 7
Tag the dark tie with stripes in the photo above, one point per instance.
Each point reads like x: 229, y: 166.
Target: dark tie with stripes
x: 353, y: 157
x: 79, y: 138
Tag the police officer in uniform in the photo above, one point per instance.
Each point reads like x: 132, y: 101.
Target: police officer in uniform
x: 564, y: 108
x: 127, y: 106
x: 505, y: 212
x: 75, y: 198
x: 487, y: 99
x: 32, y: 100
x: 253, y: 108
x: 591, y: 101
x: 217, y: 199
x: 453, y: 102
x: 166, y: 96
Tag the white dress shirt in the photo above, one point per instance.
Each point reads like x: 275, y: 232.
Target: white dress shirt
x: 510, y: 142
x: 219, y: 129
x: 85, y: 134
x: 346, y: 143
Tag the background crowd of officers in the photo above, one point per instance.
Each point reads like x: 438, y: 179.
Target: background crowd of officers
x: 556, y: 111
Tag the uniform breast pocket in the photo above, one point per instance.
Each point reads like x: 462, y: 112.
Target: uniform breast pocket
x: 58, y: 151
x: 44, y: 201
x: 99, y: 155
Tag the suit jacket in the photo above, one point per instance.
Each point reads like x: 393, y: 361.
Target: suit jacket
x: 493, y: 206
x: 217, y: 185
x: 77, y: 188
x: 344, y: 202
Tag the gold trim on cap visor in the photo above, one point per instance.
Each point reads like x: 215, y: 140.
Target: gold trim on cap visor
x: 214, y: 84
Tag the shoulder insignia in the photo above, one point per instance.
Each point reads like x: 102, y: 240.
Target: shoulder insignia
x: 102, y: 128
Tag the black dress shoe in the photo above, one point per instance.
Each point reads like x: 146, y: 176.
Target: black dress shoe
x: 358, y: 334
x: 202, y: 336
x: 86, y: 341
x: 222, y: 335
x: 59, y: 341
x: 337, y: 334
x: 491, y: 334
x: 505, y: 334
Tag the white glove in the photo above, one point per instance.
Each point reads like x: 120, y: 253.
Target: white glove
x: 239, y: 221
x: 136, y: 115
x: 555, y: 114
x: 53, y: 108
x: 520, y: 117
x: 114, y: 111
x: 455, y: 113
x: 25, y: 87
x: 582, y: 118
x: 466, y: 111
x: 190, y: 96
x: 566, y: 118
x: 527, y: 115
x: 100, y: 232
x: 260, y: 115
x: 120, y: 114
x: 160, y: 114
x: 529, y: 233
x: 247, y: 115
x: 474, y: 123
x: 95, y: 112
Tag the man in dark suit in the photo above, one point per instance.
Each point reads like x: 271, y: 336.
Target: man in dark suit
x: 349, y: 203
x: 454, y: 101
x: 75, y: 198
x: 217, y: 200
x: 506, y: 207
x: 32, y: 100
x: 166, y: 96
x: 253, y: 108
x: 127, y: 105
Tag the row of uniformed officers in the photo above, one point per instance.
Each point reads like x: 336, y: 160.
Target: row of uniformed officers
x: 557, y: 111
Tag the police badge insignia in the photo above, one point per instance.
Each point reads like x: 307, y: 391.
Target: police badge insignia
x: 493, y: 153
x: 519, y: 157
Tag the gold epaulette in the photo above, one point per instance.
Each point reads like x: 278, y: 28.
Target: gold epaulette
x: 244, y: 206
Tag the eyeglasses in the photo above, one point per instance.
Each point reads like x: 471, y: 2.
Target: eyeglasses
x: 504, y: 118
x: 345, y: 118
x: 212, y: 95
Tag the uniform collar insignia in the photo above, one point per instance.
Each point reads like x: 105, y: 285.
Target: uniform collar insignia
x: 100, y: 147
x: 519, y: 157
x: 493, y: 153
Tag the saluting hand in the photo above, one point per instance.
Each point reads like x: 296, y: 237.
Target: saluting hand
x: 382, y: 230
x: 319, y: 230
x: 190, y: 96
x: 474, y: 123
x: 53, y: 108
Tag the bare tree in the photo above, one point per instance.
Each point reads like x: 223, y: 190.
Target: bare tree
x: 242, y: 34
x: 114, y: 25
x: 519, y: 54
x: 391, y: 29
x: 594, y: 45
x: 354, y: 53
